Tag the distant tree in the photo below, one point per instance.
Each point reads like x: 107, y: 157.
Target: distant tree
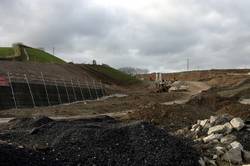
x: 133, y: 71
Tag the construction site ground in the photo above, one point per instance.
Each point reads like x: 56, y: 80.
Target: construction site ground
x: 140, y: 103
x: 144, y: 104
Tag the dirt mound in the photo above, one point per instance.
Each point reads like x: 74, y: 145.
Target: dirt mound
x: 172, y: 117
x: 211, y: 100
x: 236, y: 109
x: 107, y: 142
x: 12, y: 156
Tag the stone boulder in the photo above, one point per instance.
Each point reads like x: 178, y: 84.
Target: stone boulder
x: 233, y: 156
x: 212, y: 137
x: 237, y: 123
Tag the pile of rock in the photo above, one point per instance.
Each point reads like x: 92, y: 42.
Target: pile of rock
x: 218, y: 140
x: 178, y: 86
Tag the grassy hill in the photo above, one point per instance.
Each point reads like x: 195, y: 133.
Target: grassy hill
x: 6, y: 52
x: 37, y: 55
x: 21, y: 52
x: 109, y: 74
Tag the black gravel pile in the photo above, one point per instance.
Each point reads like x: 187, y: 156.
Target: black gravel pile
x: 13, y: 156
x: 104, y: 141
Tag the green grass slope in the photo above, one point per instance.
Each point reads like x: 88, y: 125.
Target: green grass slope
x: 37, y: 55
x: 33, y: 54
x: 6, y: 52
x: 107, y: 74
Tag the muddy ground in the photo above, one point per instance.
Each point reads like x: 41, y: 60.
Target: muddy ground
x: 148, y: 105
x: 142, y: 106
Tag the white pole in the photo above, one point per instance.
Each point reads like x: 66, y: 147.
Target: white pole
x: 97, y: 97
x: 102, y: 89
x: 58, y: 93
x: 66, y: 90
x: 80, y: 89
x: 45, y: 87
x: 31, y: 94
x: 73, y: 90
x: 89, y: 90
x: 12, y: 91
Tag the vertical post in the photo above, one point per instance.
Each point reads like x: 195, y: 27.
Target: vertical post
x: 58, y: 93
x: 46, y: 91
x: 89, y: 90
x: 31, y: 94
x: 102, y: 89
x: 66, y: 90
x: 12, y: 90
x: 72, y: 85
x: 95, y: 88
x: 80, y: 90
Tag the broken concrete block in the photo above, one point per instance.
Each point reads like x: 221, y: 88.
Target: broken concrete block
x: 203, y: 122
x: 202, y: 162
x: 228, y: 139
x: 233, y: 156
x: 215, y: 157
x: 237, y: 123
x: 209, y: 162
x: 212, y: 137
x: 236, y: 144
x: 213, y: 119
x: 194, y: 127
x: 220, y: 150
x: 246, y: 156
x: 207, y: 125
x: 197, y: 129
x: 228, y: 127
x: 216, y: 129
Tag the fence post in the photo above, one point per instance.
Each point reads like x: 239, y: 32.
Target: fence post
x: 46, y: 91
x: 58, y: 93
x: 80, y: 89
x: 66, y: 90
x: 97, y: 97
x: 73, y: 90
x: 31, y: 94
x: 102, y: 89
x: 12, y: 91
x: 89, y: 89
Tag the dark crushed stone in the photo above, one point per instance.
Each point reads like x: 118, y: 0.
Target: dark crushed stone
x: 104, y: 141
x: 12, y: 156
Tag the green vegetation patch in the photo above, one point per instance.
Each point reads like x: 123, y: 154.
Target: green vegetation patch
x: 41, y: 56
x: 6, y: 52
x: 115, y: 75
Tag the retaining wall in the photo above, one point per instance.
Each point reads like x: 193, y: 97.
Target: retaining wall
x: 56, y: 95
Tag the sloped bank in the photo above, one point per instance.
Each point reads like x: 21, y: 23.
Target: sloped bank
x: 101, y: 141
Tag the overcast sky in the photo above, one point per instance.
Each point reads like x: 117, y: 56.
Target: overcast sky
x: 155, y: 34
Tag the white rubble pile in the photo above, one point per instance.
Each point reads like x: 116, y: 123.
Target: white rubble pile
x: 178, y: 86
x: 218, y: 143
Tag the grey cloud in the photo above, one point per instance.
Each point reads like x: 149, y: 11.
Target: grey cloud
x: 213, y: 34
